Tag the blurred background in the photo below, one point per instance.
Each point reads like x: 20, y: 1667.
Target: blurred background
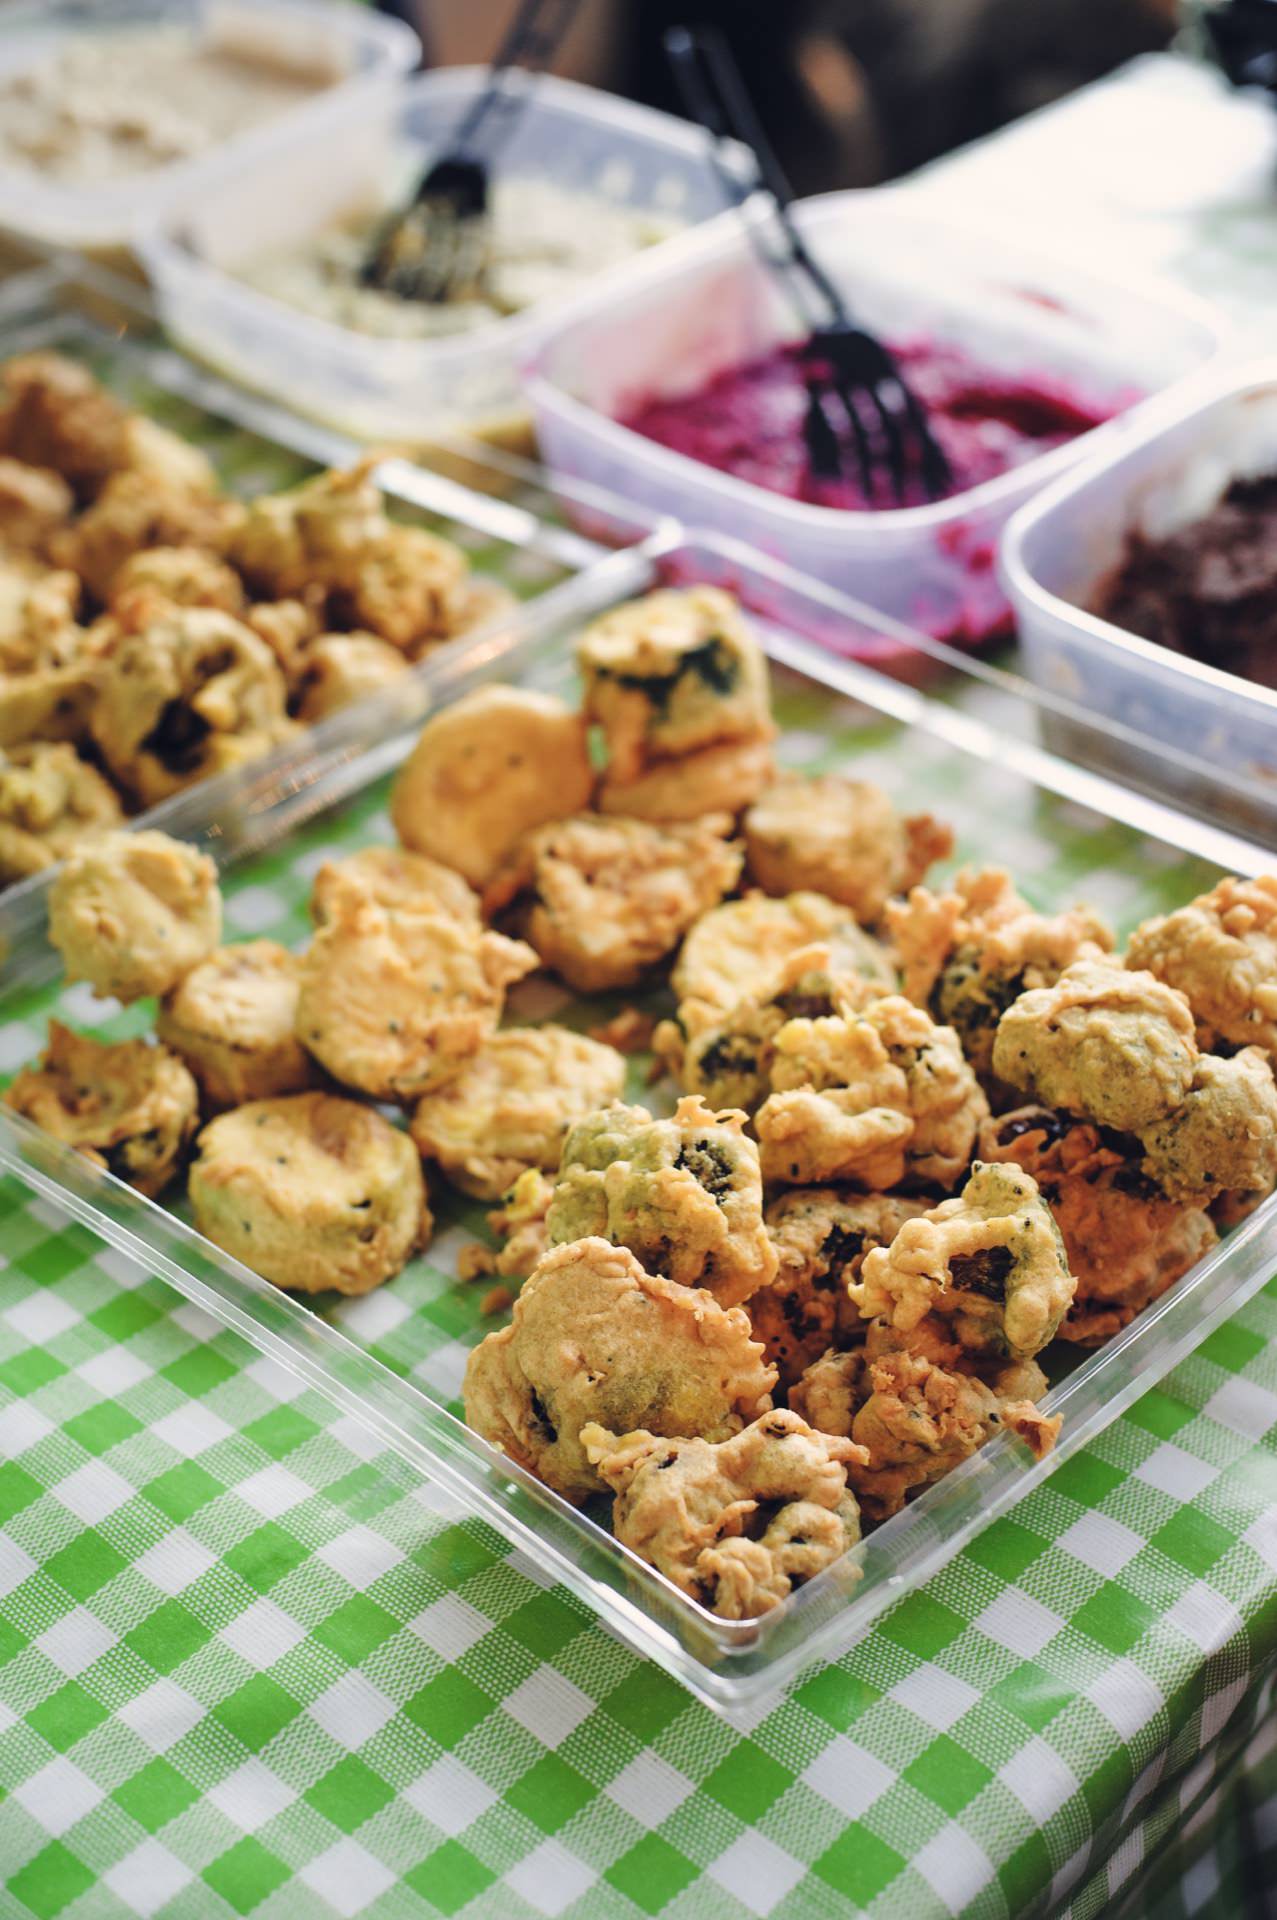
x: 853, y: 91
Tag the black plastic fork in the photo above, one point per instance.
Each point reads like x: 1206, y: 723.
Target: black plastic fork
x: 841, y: 360
x: 435, y: 247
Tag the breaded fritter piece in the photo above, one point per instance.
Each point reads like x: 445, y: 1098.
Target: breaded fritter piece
x: 603, y: 900
x: 132, y: 912
x: 595, y: 1339
x: 391, y: 878
x: 1107, y: 1044
x: 132, y: 512
x: 1220, y: 951
x: 840, y: 837
x: 1222, y: 1137
x: 34, y: 503
x: 510, y: 1106
x: 713, y: 782
x: 232, y: 1020
x: 312, y: 1192
x: 51, y: 802
x: 56, y: 415
x: 488, y: 769
x: 131, y: 1107
x: 735, y: 950
x: 685, y: 1195
x: 737, y: 1524
x: 341, y: 667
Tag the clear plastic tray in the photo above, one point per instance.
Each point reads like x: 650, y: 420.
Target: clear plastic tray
x: 258, y: 447
x: 406, y: 392
x: 906, y: 272
x: 395, y: 1358
x: 363, y: 46
x: 1058, y: 548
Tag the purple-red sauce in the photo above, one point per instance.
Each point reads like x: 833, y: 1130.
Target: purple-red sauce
x: 748, y: 422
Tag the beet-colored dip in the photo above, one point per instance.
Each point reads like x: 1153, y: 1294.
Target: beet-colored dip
x: 748, y: 422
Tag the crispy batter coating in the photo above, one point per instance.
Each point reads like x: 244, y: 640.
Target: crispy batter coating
x: 519, y: 1224
x: 49, y: 665
x: 394, y: 1002
x: 231, y: 1019
x: 685, y: 1195
x: 317, y: 535
x: 193, y: 693
x: 839, y: 837
x: 312, y: 1192
x: 738, y: 1524
x: 967, y: 953
x: 180, y: 576
x: 288, y: 628
x: 713, y: 781
x: 1223, y: 1135
x: 511, y: 1104
x: 487, y: 769
x: 676, y: 671
x: 56, y: 415
x: 135, y: 510
x: 1109, y: 1045
x: 595, y: 1339
x: 735, y: 950
x: 917, y: 1420
x: 51, y: 802
x: 821, y: 1236
x: 729, y: 1062
x: 990, y: 1263
x: 875, y: 1096
x: 398, y: 881
x: 34, y: 503
x: 132, y: 912
x: 1220, y: 951
x: 1126, y: 1242
x: 341, y: 667
x: 409, y: 589
x: 130, y: 1108
x: 603, y: 900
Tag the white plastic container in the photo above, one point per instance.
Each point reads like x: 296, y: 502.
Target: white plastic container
x: 1168, y: 469
x: 364, y: 48
x: 405, y: 391
x: 906, y: 273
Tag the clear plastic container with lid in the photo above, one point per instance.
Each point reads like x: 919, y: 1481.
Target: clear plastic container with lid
x: 356, y: 53
x: 908, y: 274
x: 406, y: 391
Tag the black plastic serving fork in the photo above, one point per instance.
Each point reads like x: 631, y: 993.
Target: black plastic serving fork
x: 842, y: 363
x: 436, y: 247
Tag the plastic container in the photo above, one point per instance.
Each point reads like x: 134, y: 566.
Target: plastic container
x: 1169, y: 468
x: 406, y: 392
x: 394, y: 1359
x: 907, y: 274
x: 361, y: 45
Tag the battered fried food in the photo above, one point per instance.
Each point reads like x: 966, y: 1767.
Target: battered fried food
x: 1220, y: 951
x: 34, y: 503
x: 409, y: 589
x: 56, y: 415
x: 231, y: 1019
x: 1126, y: 1242
x: 341, y: 667
x: 1222, y: 1137
x: 494, y: 765
x: 1110, y: 1045
x: 193, y: 693
x: 132, y: 912
x: 990, y: 1264
x: 671, y: 673
x: 49, y: 664
x: 130, y: 1108
x: 720, y: 780
x: 134, y: 511
x: 391, y: 878
x: 876, y: 1096
x: 840, y: 837
x: 312, y: 1192
x: 738, y: 1524
x: 288, y: 627
x: 735, y: 950
x: 603, y: 900
x: 685, y: 1195
x: 595, y: 1339
x: 394, y: 1002
x: 178, y: 576
x: 314, y: 535
x: 510, y: 1106
x: 519, y: 1224
x: 821, y: 1236
x: 967, y: 953
x: 51, y: 802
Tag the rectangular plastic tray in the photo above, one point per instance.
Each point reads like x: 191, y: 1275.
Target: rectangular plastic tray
x: 405, y: 392
x: 367, y: 50
x: 908, y: 272
x: 1173, y: 464
x: 258, y: 447
x: 395, y: 1357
